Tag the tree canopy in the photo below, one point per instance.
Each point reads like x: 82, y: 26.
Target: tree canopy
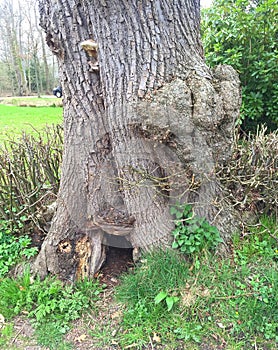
x: 243, y: 33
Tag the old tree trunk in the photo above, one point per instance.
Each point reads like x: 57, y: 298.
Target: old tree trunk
x: 142, y: 132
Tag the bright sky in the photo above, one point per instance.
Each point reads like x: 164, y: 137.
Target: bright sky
x: 206, y: 3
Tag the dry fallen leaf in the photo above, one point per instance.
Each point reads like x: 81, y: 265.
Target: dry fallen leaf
x: 116, y: 314
x: 81, y: 338
x: 220, y: 325
x: 156, y: 338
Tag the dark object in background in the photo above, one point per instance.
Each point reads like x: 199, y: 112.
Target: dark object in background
x: 58, y: 91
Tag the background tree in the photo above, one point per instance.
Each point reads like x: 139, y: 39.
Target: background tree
x: 244, y: 33
x: 27, y: 66
x: 12, y: 26
x: 142, y: 132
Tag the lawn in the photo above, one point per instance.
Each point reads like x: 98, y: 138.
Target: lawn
x: 14, y: 120
x: 31, y: 101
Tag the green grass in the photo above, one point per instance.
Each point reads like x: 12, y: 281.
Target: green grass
x: 6, y: 334
x: 231, y: 301
x: 15, y: 120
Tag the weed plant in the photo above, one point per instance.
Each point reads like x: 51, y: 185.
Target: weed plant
x: 13, y: 249
x: 192, y: 234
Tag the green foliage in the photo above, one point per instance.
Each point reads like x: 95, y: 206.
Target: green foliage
x: 46, y: 300
x: 50, y: 304
x: 243, y: 33
x: 13, y: 249
x: 189, y: 331
x: 192, y: 234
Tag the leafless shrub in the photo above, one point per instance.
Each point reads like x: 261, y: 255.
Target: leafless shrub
x: 30, y: 175
x: 251, y: 177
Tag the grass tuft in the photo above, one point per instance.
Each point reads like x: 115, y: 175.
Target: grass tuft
x: 159, y: 271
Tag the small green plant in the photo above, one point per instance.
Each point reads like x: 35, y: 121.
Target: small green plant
x: 189, y: 331
x: 12, y: 248
x: 192, y: 234
x: 168, y: 298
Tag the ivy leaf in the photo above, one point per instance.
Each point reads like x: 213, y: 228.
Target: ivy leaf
x: 179, y: 214
x: 173, y: 210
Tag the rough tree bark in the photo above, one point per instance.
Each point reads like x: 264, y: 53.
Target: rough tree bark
x: 142, y: 133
